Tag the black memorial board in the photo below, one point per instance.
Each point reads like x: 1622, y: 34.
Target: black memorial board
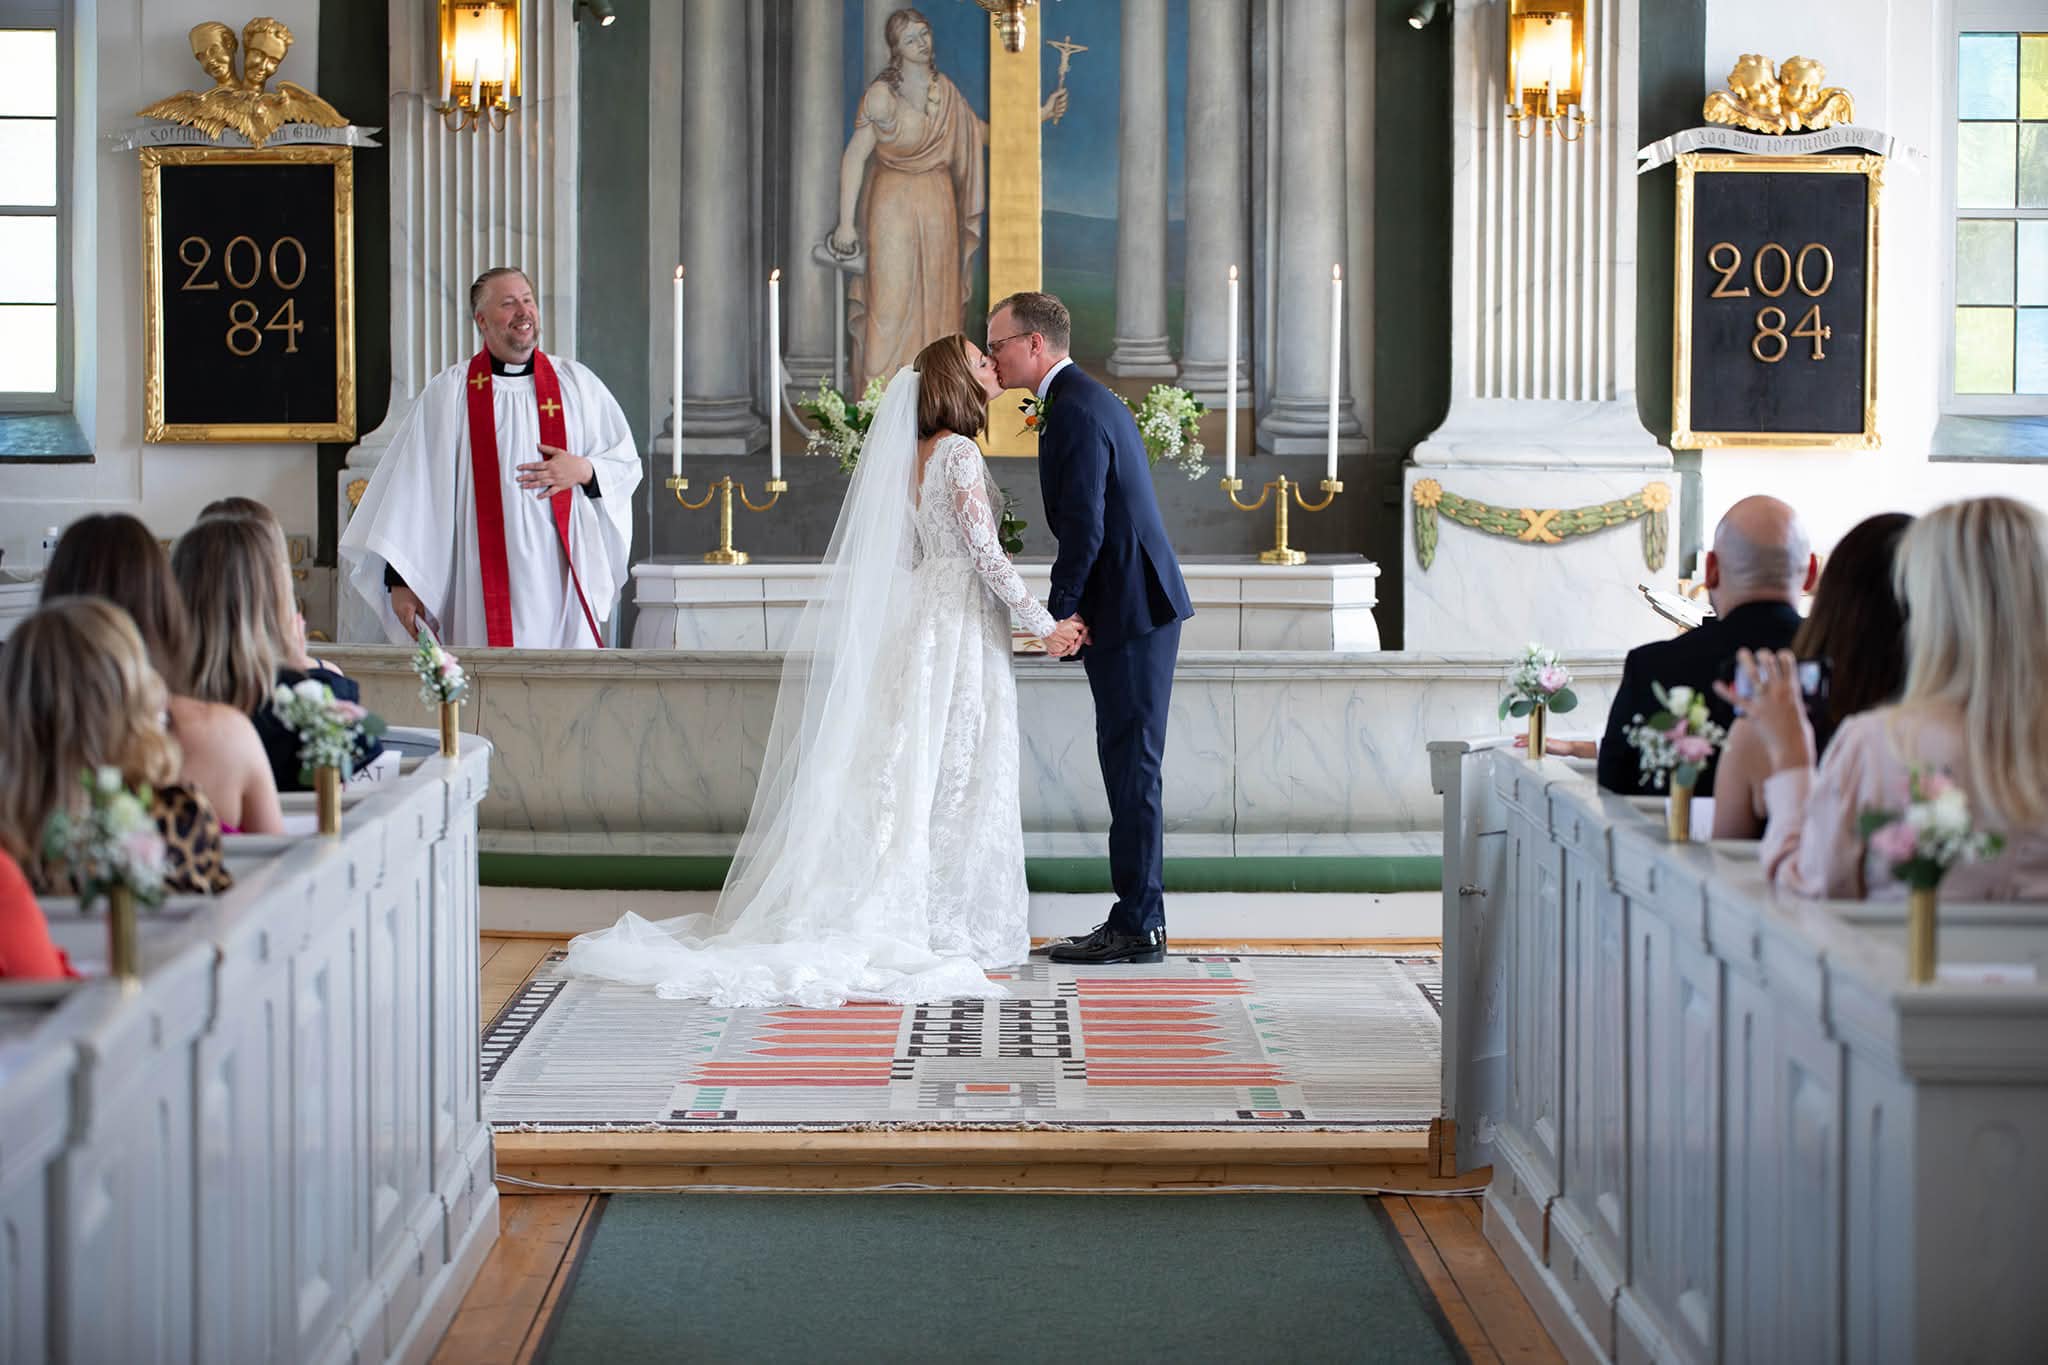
x: 250, y: 285
x: 1777, y: 301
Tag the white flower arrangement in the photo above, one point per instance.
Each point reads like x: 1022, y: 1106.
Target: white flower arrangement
x: 1678, y: 740
x: 1538, y: 678
x: 114, y: 844
x: 328, y: 728
x: 1933, y: 834
x: 441, y: 677
x: 1167, y: 422
x: 840, y: 429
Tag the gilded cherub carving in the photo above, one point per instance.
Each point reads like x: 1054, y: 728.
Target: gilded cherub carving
x: 1769, y: 99
x: 241, y: 102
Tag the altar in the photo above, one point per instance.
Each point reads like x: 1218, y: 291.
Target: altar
x: 1321, y: 607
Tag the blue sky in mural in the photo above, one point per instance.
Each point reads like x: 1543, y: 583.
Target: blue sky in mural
x: 1081, y: 150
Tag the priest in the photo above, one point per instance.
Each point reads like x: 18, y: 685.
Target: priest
x: 502, y: 514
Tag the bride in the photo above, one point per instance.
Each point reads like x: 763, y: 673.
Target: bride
x: 884, y: 856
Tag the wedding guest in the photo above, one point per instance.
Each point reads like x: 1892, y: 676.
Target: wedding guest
x: 1974, y: 580
x: 114, y: 556
x: 295, y: 650
x: 1760, y: 564
x: 79, y: 695
x: 1858, y: 630
x: 246, y: 628
x: 25, y: 947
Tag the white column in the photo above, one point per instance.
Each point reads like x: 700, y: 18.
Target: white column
x: 816, y: 119
x: 1140, y: 347
x: 1217, y: 227
x: 876, y: 29
x: 1310, y: 233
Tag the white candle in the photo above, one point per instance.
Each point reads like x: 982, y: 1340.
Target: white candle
x: 675, y: 453
x: 1230, y: 385
x: 1336, y: 360
x: 476, y: 85
x: 447, y: 79
x: 774, y: 375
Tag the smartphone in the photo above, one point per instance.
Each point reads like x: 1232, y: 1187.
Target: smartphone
x: 1813, y: 680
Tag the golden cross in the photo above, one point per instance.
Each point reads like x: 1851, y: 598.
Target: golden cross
x: 551, y: 407
x: 479, y: 381
x: 1539, y: 526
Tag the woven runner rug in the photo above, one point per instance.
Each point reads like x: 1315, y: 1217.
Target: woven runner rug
x: 1222, y: 1042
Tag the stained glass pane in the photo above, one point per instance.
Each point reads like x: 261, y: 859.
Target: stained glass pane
x: 28, y: 72
x: 28, y: 260
x: 28, y: 161
x: 1984, y: 165
x: 1987, y: 76
x: 28, y: 349
x: 1984, y: 350
x: 2033, y: 254
x: 2034, y: 165
x: 2032, y: 362
x: 1984, y: 260
x: 2034, y: 75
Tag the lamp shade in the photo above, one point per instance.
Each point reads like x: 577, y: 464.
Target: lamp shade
x: 1546, y: 55
x: 480, y: 41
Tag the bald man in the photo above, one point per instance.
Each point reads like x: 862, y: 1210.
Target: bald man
x: 1760, y: 564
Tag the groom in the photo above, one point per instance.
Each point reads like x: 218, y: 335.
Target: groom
x: 1117, y: 591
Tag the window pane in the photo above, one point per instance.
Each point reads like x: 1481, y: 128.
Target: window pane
x: 2033, y: 351
x: 28, y: 261
x: 2034, y: 262
x: 1984, y: 165
x: 28, y: 349
x: 1987, y: 76
x: 1984, y: 260
x: 2034, y: 165
x: 28, y: 71
x: 28, y: 162
x: 1984, y: 350
x: 2034, y: 75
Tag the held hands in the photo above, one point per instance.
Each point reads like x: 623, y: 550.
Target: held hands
x: 1067, y: 637
x: 1775, y: 704
x: 545, y: 478
x: 407, y: 607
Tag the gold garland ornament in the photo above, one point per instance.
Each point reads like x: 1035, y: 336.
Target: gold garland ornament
x: 1543, y: 526
x: 1789, y: 98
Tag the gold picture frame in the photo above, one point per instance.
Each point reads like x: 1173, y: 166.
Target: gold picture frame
x: 156, y: 430
x: 1692, y: 164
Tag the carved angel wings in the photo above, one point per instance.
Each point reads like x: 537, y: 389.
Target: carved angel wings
x: 241, y: 103
x: 1779, y: 99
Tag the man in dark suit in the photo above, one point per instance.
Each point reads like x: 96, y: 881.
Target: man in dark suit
x: 1760, y: 564
x: 1116, y: 585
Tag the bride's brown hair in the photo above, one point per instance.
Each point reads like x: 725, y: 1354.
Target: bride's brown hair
x: 949, y: 397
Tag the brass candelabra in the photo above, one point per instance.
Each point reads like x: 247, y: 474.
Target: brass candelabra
x: 1282, y: 552
x: 723, y: 489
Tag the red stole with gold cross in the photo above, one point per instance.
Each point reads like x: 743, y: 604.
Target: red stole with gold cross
x: 490, y: 494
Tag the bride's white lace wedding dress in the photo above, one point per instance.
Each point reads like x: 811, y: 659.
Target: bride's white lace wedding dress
x: 884, y: 859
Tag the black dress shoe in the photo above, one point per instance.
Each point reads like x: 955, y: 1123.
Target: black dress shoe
x: 1045, y: 949
x: 1106, y: 946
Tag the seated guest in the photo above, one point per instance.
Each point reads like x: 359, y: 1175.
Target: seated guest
x: 25, y: 947
x: 245, y: 628
x: 1856, y: 628
x: 114, y: 556
x: 1974, y: 579
x: 79, y: 694
x: 248, y: 509
x: 1759, y: 566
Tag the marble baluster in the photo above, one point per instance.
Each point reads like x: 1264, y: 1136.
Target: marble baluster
x: 1218, y: 98
x: 1310, y: 235
x: 1140, y: 347
x: 816, y: 118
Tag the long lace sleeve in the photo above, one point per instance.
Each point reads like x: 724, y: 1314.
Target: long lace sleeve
x: 967, y: 489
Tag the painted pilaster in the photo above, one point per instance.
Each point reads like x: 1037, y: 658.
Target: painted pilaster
x: 1140, y: 342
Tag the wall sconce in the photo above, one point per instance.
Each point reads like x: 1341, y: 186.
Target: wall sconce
x: 1547, y: 67
x: 1009, y: 21
x: 1423, y: 12
x: 479, y: 63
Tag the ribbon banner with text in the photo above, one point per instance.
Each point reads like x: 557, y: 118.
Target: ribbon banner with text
x: 1843, y: 138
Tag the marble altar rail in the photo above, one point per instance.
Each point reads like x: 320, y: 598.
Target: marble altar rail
x: 272, y: 1147
x: 630, y: 750
x: 1721, y: 1123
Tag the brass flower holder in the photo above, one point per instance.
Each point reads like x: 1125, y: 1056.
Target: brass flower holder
x: 1282, y: 552
x: 1678, y: 814
x: 327, y: 790
x: 1538, y: 723
x: 1921, y: 957
x: 723, y: 488
x: 124, y: 952
x: 450, y: 712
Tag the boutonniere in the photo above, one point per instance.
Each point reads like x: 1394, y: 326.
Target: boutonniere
x: 1036, y: 412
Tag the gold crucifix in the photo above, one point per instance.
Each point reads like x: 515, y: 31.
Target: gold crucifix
x: 1066, y: 47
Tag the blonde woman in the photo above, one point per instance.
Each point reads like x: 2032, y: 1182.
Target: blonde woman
x: 292, y: 649
x: 113, y: 556
x: 1974, y: 580
x: 78, y: 692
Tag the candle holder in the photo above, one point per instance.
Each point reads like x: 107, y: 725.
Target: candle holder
x: 725, y: 553
x: 469, y: 112
x: 1282, y: 552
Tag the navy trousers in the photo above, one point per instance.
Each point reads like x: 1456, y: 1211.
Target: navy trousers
x: 1132, y: 684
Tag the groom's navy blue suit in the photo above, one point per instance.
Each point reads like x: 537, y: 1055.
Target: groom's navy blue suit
x: 1116, y: 569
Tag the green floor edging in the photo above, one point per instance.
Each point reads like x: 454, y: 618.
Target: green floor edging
x: 1379, y: 874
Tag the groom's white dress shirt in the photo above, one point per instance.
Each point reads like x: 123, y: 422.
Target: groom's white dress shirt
x: 1046, y: 382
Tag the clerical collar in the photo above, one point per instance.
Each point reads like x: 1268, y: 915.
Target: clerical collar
x: 501, y: 367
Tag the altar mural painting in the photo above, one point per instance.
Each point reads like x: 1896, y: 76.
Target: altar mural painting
x: 914, y: 199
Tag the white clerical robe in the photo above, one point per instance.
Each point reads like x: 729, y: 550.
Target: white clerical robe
x: 419, y: 513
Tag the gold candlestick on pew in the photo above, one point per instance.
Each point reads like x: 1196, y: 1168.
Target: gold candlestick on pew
x: 1282, y: 552
x: 723, y: 488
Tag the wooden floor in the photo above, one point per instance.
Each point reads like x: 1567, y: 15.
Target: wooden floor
x: 505, y: 1315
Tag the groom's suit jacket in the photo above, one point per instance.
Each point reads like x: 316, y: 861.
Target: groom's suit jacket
x: 1116, y: 566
